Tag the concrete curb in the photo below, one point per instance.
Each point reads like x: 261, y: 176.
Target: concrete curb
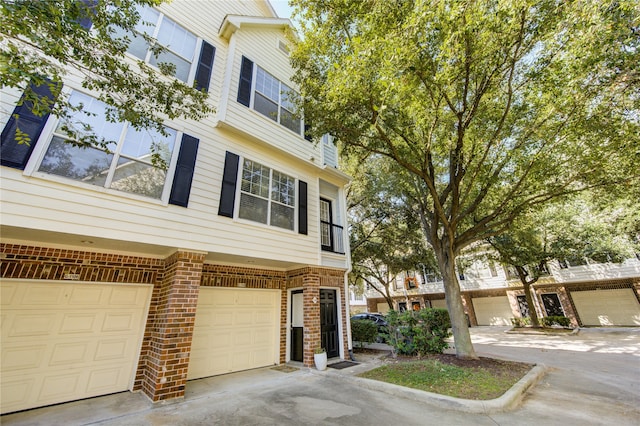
x: 508, y: 401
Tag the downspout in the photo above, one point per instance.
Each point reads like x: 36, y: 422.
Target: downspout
x: 346, y: 278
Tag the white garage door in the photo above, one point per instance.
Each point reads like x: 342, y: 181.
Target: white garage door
x: 439, y: 303
x: 235, y: 330
x: 64, y: 341
x: 607, y: 307
x: 493, y: 310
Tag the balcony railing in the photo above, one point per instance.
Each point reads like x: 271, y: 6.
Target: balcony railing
x: 332, y: 238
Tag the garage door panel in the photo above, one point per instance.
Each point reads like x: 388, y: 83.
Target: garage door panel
x: 78, y: 322
x: 221, y: 318
x: 30, y: 325
x: 84, y: 296
x: 38, y: 295
x: 21, y: 357
x: 68, y: 350
x: 607, y: 307
x: 236, y: 329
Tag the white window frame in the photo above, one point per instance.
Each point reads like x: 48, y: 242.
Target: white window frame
x: 48, y: 134
x: 156, y: 29
x: 254, y: 90
x: 270, y: 201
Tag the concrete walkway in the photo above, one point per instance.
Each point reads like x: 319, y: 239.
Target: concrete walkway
x: 593, y: 378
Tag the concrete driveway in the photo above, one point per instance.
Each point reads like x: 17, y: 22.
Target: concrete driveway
x: 594, y: 378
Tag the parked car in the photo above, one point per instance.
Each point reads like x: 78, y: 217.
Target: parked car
x: 378, y: 319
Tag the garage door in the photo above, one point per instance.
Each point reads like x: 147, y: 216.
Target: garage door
x: 235, y: 330
x: 439, y: 303
x: 493, y: 310
x: 607, y: 307
x: 64, y: 341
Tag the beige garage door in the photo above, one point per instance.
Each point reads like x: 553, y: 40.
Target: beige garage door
x: 607, y: 307
x: 235, y: 330
x: 493, y: 310
x: 64, y: 341
x: 439, y: 303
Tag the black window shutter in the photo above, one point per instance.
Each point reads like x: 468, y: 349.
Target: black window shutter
x: 302, y: 207
x: 183, y: 176
x: 12, y: 153
x: 244, y: 88
x: 86, y: 21
x: 307, y: 131
x: 205, y: 66
x: 228, y: 191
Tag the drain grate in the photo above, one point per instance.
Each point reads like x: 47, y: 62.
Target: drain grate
x: 342, y: 364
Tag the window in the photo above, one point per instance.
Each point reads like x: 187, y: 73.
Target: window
x: 402, y: 306
x: 268, y: 95
x: 274, y: 99
x: 523, y: 305
x: 125, y: 165
x: 552, y: 305
x: 415, y: 306
x: 267, y: 196
x: 179, y: 43
x: 330, y: 233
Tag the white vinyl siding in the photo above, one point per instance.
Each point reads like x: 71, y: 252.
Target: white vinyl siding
x: 260, y: 47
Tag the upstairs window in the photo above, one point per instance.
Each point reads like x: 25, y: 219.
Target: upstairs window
x: 269, y: 96
x: 125, y: 164
x: 267, y: 196
x: 179, y: 43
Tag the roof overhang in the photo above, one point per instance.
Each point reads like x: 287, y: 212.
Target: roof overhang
x: 232, y: 23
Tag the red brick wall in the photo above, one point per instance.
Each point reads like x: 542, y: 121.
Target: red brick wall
x: 166, y: 359
x: 164, y: 356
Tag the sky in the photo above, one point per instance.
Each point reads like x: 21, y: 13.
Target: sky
x: 282, y: 8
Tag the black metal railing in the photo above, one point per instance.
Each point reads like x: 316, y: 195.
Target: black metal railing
x: 332, y: 237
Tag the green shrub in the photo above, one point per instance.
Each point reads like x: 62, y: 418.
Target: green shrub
x: 419, y: 332
x: 521, y: 322
x: 364, y: 331
x: 555, y: 320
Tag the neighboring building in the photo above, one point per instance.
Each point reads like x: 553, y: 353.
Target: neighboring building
x: 589, y: 294
x: 118, y: 275
x: 357, y: 302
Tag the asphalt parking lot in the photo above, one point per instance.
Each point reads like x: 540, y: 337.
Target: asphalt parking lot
x: 593, y: 378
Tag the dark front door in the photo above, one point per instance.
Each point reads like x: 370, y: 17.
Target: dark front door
x: 329, y: 322
x: 297, y: 326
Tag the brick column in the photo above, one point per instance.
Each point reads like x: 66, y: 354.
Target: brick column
x: 171, y: 330
x: 311, y: 291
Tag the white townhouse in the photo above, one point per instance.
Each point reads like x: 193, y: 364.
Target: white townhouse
x: 590, y: 294
x: 119, y: 275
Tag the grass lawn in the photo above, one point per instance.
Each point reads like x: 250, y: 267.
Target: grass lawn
x: 481, y: 379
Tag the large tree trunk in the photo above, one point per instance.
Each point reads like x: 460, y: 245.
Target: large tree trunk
x: 459, y: 325
x: 533, y: 314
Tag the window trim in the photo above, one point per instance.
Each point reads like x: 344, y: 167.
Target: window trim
x: 197, y: 48
x: 239, y: 192
x: 44, y: 141
x: 280, y: 106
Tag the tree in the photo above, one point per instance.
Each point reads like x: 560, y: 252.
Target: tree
x: 384, y: 239
x: 491, y: 108
x: 42, y: 42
